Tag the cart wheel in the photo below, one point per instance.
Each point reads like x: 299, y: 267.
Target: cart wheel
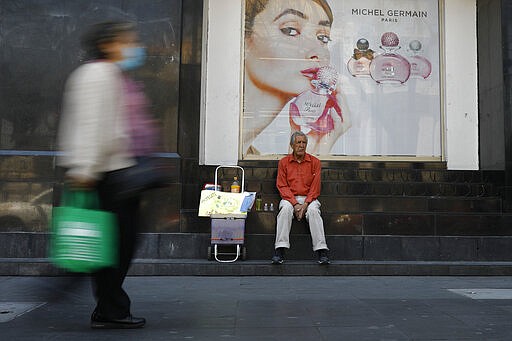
x: 210, y: 256
x: 244, y: 253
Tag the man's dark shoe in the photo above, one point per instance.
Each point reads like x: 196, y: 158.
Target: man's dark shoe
x: 323, y: 259
x: 278, y: 257
x: 129, y: 322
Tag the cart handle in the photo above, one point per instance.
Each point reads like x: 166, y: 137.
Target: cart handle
x: 242, y: 189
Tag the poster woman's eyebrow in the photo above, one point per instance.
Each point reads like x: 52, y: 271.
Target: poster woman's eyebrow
x: 291, y: 11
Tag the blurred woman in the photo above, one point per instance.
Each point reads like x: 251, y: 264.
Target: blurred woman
x: 285, y: 44
x: 95, y: 139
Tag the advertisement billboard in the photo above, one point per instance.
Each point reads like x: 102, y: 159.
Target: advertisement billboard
x: 360, y: 77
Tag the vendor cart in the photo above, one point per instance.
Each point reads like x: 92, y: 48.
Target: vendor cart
x: 227, y: 230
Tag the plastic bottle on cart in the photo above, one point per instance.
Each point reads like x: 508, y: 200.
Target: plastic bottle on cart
x: 272, y: 207
x: 265, y: 207
x: 235, y: 186
x: 259, y: 202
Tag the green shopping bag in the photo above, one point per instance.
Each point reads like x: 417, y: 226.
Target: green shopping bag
x: 84, y: 238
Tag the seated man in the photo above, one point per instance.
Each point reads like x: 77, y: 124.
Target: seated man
x: 298, y: 182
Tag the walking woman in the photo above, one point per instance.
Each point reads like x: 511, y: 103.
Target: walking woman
x: 95, y: 137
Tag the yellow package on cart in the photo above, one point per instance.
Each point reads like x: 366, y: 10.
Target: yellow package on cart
x: 216, y: 202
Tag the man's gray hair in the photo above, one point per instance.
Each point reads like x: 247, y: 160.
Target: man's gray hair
x: 295, y: 134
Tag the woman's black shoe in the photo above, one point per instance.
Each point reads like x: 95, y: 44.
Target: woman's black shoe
x: 129, y: 322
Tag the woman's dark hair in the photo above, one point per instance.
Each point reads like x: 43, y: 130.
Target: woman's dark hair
x: 103, y: 33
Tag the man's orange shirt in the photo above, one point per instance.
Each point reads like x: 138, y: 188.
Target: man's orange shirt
x: 294, y: 178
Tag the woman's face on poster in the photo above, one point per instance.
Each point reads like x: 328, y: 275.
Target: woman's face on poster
x: 288, y: 43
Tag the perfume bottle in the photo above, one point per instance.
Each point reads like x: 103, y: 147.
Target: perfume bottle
x: 312, y: 109
x: 390, y: 67
x: 359, y: 64
x: 420, y: 66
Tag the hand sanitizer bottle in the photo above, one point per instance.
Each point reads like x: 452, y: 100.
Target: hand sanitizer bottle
x: 312, y: 109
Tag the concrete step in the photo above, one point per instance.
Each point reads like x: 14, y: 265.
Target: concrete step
x: 382, y: 203
x: 186, y: 254
x: 373, y: 223
x: 260, y: 247
x: 365, y: 172
x: 196, y: 267
x: 406, y: 178
x: 311, y: 268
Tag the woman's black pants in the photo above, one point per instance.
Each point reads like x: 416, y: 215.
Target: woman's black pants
x: 112, y: 301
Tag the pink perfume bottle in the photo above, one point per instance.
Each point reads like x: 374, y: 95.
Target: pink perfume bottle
x: 390, y: 67
x: 312, y: 109
x: 420, y: 66
x: 359, y: 64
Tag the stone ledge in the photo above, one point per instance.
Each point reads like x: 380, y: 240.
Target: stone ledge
x: 310, y: 268
x: 197, y: 267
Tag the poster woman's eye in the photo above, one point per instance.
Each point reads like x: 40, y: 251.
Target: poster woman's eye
x: 290, y: 31
x: 323, y: 38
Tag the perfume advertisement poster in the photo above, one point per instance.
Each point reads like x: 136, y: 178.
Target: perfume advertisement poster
x: 359, y: 77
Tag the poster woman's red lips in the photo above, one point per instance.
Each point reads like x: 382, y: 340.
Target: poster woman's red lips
x: 310, y: 72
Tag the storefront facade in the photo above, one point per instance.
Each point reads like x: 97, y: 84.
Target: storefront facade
x: 419, y: 115
x: 448, y: 119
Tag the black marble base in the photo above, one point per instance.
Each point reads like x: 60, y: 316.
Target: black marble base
x: 165, y: 246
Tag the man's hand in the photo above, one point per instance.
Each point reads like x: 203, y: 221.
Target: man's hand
x: 300, y: 210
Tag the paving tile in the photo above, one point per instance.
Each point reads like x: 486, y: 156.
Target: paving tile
x: 278, y: 334
x: 435, y: 327
x: 485, y: 294
x: 11, y: 310
x: 372, y: 332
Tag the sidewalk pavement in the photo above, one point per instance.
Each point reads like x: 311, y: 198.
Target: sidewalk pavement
x: 267, y: 308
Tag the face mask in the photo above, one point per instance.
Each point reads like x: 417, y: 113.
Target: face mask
x: 133, y: 57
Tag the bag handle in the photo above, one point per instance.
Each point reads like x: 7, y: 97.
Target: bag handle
x: 80, y: 198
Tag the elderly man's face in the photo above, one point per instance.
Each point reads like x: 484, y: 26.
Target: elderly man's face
x: 299, y: 146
